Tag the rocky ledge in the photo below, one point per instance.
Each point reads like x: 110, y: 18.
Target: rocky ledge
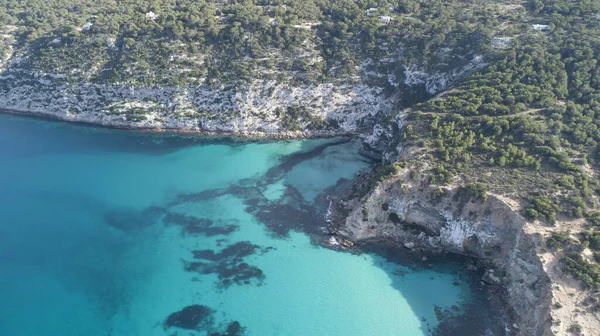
x: 273, y: 105
x: 417, y: 216
x: 266, y: 107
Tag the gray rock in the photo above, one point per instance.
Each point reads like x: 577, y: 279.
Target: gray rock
x: 490, y: 231
x: 490, y: 278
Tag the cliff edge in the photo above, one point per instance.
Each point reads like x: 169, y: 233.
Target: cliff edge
x: 411, y: 214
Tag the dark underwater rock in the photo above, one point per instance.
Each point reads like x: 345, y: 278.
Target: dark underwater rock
x: 229, y: 264
x: 130, y: 220
x: 192, y: 317
x: 233, y: 329
x: 195, y: 226
x: 236, y: 252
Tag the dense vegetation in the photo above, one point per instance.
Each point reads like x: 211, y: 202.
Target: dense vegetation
x: 529, y: 124
x: 189, y: 41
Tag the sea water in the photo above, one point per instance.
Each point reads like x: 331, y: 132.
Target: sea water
x: 106, y: 232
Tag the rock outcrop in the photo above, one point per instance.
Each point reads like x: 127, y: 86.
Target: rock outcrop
x: 274, y: 105
x: 416, y: 216
x: 256, y: 108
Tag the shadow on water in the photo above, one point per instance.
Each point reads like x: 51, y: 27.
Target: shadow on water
x: 482, y: 308
x: 54, y: 137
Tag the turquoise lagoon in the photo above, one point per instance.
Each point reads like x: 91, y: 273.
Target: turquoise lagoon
x: 106, y: 232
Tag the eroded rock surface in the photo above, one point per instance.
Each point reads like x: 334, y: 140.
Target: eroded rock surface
x: 416, y: 216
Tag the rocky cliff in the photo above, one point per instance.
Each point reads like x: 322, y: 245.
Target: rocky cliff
x: 413, y: 215
x: 260, y: 107
x: 275, y: 105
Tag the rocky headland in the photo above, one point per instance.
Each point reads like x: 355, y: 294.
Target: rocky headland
x: 405, y: 212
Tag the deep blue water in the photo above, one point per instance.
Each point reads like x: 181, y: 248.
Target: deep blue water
x: 105, y: 232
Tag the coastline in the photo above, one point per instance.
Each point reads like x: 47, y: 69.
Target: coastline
x: 408, y: 218
x: 371, y: 245
x: 243, y: 135
x: 491, y: 298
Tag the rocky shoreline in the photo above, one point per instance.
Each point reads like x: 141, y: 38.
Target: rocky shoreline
x: 489, y: 312
x: 132, y: 127
x: 405, y: 214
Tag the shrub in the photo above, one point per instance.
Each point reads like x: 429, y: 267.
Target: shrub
x: 541, y: 206
x: 575, y: 328
x: 558, y: 240
x: 588, y: 273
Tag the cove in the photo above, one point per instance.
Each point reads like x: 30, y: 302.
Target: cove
x: 105, y: 232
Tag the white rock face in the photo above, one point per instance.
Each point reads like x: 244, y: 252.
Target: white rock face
x: 541, y: 27
x: 459, y: 230
x: 375, y: 136
x: 413, y: 215
x: 347, y: 105
x: 193, y: 108
x: 501, y: 42
x: 438, y: 81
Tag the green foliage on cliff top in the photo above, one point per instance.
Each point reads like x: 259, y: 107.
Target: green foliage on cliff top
x: 534, y: 112
x: 187, y: 41
x: 589, y: 273
x: 529, y: 124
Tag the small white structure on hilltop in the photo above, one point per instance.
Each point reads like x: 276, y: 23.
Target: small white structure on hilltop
x: 86, y: 26
x: 541, y: 27
x: 385, y: 19
x: 150, y: 16
x: 371, y: 11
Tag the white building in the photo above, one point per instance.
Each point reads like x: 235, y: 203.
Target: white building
x: 371, y: 11
x: 85, y: 27
x: 385, y: 19
x: 541, y: 27
x: 150, y: 16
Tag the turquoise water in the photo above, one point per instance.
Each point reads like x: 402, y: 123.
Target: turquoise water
x: 112, y: 233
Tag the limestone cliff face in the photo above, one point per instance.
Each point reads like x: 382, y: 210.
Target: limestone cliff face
x: 274, y: 107
x: 421, y: 217
x: 257, y: 107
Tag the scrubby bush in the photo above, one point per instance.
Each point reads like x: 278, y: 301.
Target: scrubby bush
x: 476, y: 192
x: 558, y: 240
x: 588, y: 273
x: 541, y: 207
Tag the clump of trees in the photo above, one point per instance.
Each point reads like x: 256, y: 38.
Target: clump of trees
x: 541, y: 206
x: 185, y: 41
x: 473, y: 192
x: 558, y: 240
x: 588, y: 273
x: 534, y: 110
